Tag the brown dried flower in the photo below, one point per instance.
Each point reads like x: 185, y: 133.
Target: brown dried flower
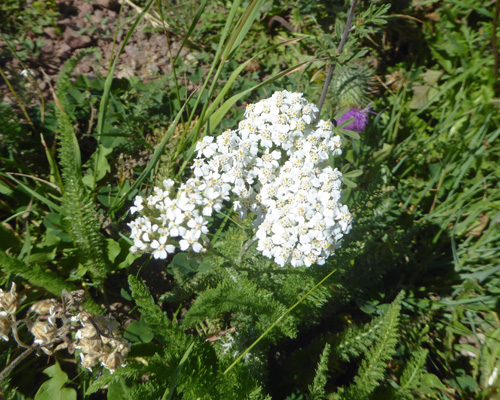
x: 53, y: 323
x: 44, y: 332
x: 5, y: 324
x: 9, y: 300
x: 45, y: 307
x: 88, y: 361
x: 99, y: 341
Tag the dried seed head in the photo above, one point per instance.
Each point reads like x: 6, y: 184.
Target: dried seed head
x: 90, y: 346
x: 5, y: 323
x: 9, y: 300
x: 78, y: 297
x: 43, y: 332
x: 88, y: 361
x: 112, y: 361
x: 87, y: 332
x: 45, y: 307
x: 107, y: 325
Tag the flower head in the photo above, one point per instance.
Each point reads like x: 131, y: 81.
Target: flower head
x: 360, y: 116
x: 276, y: 168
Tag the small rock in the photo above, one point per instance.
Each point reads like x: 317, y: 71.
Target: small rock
x: 48, y: 46
x: 85, y: 8
x: 111, y: 4
x: 75, y: 40
x: 154, y: 68
x: 126, y: 72
x: 63, y: 50
x: 96, y: 19
x: 83, y: 69
x: 50, y: 31
x: 131, y: 50
x: 66, y: 22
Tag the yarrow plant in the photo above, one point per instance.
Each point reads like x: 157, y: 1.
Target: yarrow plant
x: 277, y: 168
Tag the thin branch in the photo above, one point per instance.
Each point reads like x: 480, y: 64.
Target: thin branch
x: 339, y: 50
x: 16, y: 362
x: 7, y: 370
x: 37, y: 179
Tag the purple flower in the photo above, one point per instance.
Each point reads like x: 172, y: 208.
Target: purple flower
x: 360, y: 119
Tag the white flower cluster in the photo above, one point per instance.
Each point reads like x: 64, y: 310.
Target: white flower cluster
x: 167, y: 221
x: 277, y: 163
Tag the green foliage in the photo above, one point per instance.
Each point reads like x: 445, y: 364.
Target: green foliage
x: 252, y: 291
x: 317, y: 388
x: 22, y: 19
x: 46, y: 279
x: 54, y: 387
x: 186, y: 365
x: 35, y: 275
x: 377, y: 342
x: 79, y: 209
x: 152, y: 313
x: 412, y: 375
x: 11, y: 127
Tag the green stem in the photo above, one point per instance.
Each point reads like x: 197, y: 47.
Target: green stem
x: 277, y: 321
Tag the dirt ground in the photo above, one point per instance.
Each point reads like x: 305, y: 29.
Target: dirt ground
x: 92, y: 24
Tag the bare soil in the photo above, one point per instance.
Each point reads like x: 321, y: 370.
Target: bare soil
x: 85, y: 24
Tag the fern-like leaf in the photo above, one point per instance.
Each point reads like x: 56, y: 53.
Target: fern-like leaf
x: 373, y: 366
x: 317, y: 389
x: 79, y: 208
x: 412, y: 374
x: 356, y: 340
x: 255, y: 308
x: 46, y: 279
x: 152, y: 313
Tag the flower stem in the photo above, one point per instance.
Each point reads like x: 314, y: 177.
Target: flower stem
x: 339, y: 50
x: 16, y: 362
x: 277, y: 321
